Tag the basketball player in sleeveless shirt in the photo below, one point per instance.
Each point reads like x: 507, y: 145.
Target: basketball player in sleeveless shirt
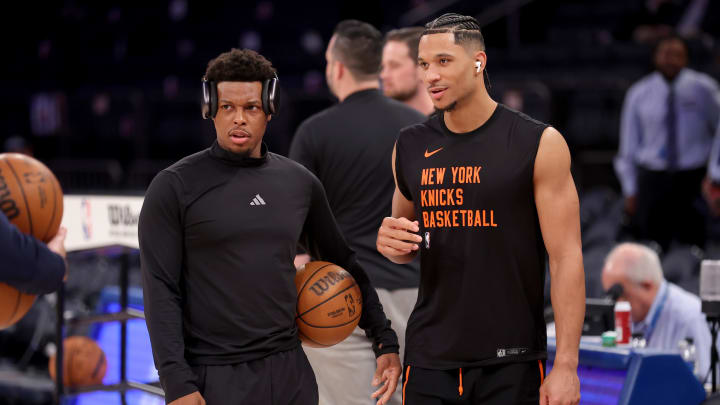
x: 484, y: 191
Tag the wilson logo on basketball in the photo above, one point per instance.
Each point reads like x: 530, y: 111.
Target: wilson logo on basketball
x: 7, y: 205
x: 329, y: 280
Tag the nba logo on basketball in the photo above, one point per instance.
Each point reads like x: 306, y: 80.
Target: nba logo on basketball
x: 350, y: 304
x: 427, y: 240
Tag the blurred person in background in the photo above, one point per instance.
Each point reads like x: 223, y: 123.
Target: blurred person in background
x: 663, y: 312
x: 28, y: 264
x: 18, y: 144
x: 218, y: 232
x: 668, y: 121
x: 348, y: 146
x: 655, y: 19
x: 400, y: 73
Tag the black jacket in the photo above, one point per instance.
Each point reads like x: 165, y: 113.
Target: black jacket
x: 26, y: 263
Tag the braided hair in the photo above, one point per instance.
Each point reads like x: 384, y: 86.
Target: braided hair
x: 465, y: 29
x: 466, y: 32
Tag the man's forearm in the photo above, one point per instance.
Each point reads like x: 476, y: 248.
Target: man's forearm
x: 568, y: 300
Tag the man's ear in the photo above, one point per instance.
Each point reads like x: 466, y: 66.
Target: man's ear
x: 339, y: 69
x: 481, y: 56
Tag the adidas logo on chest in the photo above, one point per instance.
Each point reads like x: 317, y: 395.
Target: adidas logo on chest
x: 257, y: 200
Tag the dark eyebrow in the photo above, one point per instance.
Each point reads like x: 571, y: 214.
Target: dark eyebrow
x: 439, y: 55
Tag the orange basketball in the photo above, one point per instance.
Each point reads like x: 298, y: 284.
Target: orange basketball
x: 13, y: 305
x: 31, y: 198
x: 84, y: 362
x: 329, y: 304
x: 30, y: 195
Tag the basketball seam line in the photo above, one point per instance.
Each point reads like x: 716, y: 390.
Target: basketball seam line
x: 313, y: 340
x: 330, y: 327
x: 307, y: 281
x: 52, y: 218
x: 99, y: 364
x: 336, y: 294
x: 17, y: 306
x: 22, y: 190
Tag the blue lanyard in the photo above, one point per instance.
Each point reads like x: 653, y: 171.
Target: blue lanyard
x: 656, y: 315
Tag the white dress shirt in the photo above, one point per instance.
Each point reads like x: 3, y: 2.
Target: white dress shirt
x: 643, y: 124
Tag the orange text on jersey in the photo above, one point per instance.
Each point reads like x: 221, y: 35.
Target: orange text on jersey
x: 441, y: 197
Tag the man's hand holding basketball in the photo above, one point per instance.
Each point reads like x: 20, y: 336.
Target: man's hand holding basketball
x: 396, y: 239
x: 57, y: 245
x: 388, y: 373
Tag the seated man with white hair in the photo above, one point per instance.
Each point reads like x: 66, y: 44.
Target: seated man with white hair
x: 663, y: 312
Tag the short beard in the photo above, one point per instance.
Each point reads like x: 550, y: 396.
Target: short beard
x: 448, y: 108
x: 404, y: 95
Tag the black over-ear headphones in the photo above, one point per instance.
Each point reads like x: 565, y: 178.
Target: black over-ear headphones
x: 270, y: 97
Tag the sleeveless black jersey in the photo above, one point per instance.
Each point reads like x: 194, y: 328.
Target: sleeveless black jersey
x: 482, y: 257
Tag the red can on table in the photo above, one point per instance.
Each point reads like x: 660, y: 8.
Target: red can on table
x: 622, y: 322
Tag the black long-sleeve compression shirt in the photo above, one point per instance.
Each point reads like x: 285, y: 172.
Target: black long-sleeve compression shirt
x: 218, y: 235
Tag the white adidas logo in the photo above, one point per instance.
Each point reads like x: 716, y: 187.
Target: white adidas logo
x: 257, y: 200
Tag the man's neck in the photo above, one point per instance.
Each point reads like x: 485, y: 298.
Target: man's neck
x: 421, y: 101
x: 651, y: 297
x: 471, y: 113
x: 350, y: 88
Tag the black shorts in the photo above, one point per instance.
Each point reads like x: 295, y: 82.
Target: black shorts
x: 502, y: 384
x: 284, y: 378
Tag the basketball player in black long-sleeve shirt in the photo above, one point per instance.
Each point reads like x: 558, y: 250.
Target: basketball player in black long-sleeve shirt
x: 218, y: 233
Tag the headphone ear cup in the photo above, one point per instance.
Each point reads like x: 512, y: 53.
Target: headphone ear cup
x: 270, y: 96
x: 209, y: 101
x: 213, y: 99
x: 274, y: 96
x: 205, y: 99
x: 265, y: 97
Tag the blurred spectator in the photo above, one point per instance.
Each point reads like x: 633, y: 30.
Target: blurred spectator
x: 48, y: 113
x: 711, y: 185
x: 18, y: 144
x: 400, y: 73
x: 668, y: 121
x: 663, y: 312
x: 660, y: 18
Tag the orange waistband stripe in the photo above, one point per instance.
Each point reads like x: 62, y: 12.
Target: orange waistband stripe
x: 460, y: 388
x: 542, y: 373
x: 407, y: 378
